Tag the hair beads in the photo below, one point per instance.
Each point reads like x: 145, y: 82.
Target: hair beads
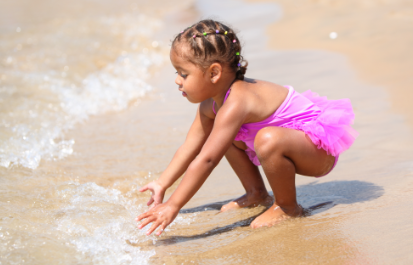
x: 210, y: 41
x: 206, y: 33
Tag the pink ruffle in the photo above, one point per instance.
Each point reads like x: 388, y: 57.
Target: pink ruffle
x: 252, y: 156
x: 241, y: 135
x: 330, y: 130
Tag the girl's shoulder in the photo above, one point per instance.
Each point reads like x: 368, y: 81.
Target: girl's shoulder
x: 258, y: 98
x: 250, y: 98
x: 250, y: 90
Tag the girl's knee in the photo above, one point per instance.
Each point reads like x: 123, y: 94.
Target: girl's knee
x: 268, y: 141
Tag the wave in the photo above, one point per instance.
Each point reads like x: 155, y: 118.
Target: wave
x: 56, y: 76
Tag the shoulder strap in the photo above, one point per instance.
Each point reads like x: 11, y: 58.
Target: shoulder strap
x: 213, y: 102
x: 227, y: 94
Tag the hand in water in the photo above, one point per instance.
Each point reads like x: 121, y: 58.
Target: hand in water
x: 161, y: 215
x: 158, y: 192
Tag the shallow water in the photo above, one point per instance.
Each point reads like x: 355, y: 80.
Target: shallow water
x: 56, y: 74
x: 61, y: 64
x: 81, y: 208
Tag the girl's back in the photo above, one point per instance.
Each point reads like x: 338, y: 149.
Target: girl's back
x: 259, y: 98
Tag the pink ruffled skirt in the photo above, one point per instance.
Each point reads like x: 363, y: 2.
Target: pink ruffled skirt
x: 326, y: 122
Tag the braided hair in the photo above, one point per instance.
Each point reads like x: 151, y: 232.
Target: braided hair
x: 213, y: 42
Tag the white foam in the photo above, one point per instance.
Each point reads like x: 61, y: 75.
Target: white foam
x: 41, y: 101
x: 99, y: 222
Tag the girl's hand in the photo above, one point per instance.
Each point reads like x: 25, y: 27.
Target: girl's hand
x: 158, y: 192
x: 161, y: 215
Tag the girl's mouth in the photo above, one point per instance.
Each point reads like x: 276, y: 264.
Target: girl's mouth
x: 183, y: 94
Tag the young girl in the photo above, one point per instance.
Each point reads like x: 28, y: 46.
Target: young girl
x: 252, y: 123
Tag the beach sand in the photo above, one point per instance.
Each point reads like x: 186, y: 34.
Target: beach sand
x: 374, y: 35
x: 81, y: 209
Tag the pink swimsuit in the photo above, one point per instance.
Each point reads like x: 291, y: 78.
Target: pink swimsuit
x: 326, y: 122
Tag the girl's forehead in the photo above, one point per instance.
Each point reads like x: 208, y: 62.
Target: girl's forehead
x: 181, y: 50
x: 178, y: 57
x: 175, y: 57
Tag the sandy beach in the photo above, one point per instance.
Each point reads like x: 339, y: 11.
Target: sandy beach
x: 374, y: 36
x: 80, y: 208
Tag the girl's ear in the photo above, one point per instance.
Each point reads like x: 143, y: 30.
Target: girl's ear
x: 215, y: 72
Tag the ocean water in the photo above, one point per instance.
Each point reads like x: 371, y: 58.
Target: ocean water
x: 57, y: 70
x: 55, y: 76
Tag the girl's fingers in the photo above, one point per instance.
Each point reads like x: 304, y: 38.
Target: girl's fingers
x: 153, y: 227
x: 144, y: 188
x: 150, y: 201
x: 146, y: 222
x: 161, y: 228
x: 155, y: 204
x: 144, y: 215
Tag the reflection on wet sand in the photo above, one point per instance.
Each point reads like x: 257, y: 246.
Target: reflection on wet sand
x: 306, y: 235
x: 301, y: 240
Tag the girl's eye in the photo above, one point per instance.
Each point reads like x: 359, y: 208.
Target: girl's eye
x: 182, y: 75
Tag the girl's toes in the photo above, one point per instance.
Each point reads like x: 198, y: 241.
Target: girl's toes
x: 230, y: 206
x: 255, y: 224
x: 252, y: 225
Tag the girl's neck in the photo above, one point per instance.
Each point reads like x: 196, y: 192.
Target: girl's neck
x: 225, y: 85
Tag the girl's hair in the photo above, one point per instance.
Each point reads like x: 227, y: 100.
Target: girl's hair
x: 211, y: 42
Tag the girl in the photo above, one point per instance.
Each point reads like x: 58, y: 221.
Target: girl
x: 252, y: 123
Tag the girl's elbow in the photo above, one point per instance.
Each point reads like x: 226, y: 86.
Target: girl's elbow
x: 210, y: 162
x: 206, y: 162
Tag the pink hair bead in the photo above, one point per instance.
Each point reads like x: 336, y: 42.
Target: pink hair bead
x: 234, y: 41
x: 194, y: 36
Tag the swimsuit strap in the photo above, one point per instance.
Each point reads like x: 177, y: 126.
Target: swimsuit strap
x: 226, y: 96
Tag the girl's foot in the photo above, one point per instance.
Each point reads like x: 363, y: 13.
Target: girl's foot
x: 249, y: 200
x: 275, y: 214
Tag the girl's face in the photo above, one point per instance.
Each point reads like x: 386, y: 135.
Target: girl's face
x: 194, y: 83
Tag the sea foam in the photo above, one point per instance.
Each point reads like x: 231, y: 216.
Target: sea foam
x: 53, y: 78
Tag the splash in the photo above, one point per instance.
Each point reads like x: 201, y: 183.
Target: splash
x: 55, y: 77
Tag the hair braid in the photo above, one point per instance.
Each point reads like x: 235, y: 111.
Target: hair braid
x: 223, y: 47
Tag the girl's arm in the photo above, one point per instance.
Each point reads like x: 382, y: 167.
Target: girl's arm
x: 227, y: 124
x: 196, y: 137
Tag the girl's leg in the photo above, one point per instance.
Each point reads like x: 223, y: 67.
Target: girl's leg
x: 250, y: 177
x: 283, y: 153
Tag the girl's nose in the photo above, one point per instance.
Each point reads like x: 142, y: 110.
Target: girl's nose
x: 178, y: 80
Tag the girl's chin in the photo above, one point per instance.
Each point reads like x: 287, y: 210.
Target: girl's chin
x: 185, y: 95
x: 192, y: 100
